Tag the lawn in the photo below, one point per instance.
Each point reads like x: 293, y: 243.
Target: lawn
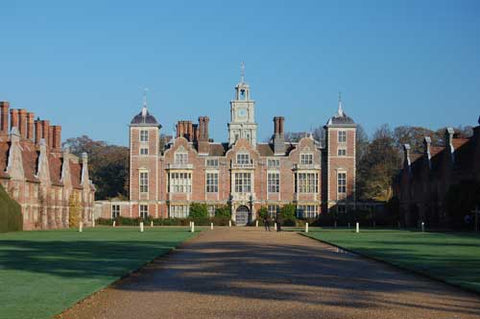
x: 44, y: 272
x: 450, y: 257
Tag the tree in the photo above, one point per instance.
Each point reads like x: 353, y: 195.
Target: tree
x: 108, y: 165
x: 198, y: 210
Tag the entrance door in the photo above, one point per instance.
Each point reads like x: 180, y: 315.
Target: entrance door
x: 241, y: 216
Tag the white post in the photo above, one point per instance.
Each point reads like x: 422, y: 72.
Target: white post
x: 256, y: 223
x: 275, y: 226
x: 80, y: 227
x: 358, y: 228
x: 193, y: 227
x: 151, y: 223
x: 114, y: 223
x: 306, y: 227
x: 211, y: 226
x: 229, y: 223
x: 93, y: 222
x: 423, y: 227
x: 141, y: 227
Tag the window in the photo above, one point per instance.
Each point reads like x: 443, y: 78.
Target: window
x: 180, y: 182
x: 307, y: 183
x: 143, y: 136
x: 342, y: 152
x: 143, y: 182
x: 273, y: 163
x: 115, y: 211
x: 243, y: 158
x: 179, y: 211
x: 243, y: 183
x: 307, y: 211
x: 342, y: 183
x: 143, y: 211
x: 143, y: 151
x: 181, y: 158
x: 342, y: 136
x: 273, y: 182
x: 212, y: 182
x: 306, y: 159
x: 212, y: 162
x: 273, y: 210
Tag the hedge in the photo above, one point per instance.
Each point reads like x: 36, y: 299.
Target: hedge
x: 11, y: 218
x: 125, y: 221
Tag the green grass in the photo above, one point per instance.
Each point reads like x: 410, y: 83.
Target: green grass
x: 451, y: 257
x: 44, y: 272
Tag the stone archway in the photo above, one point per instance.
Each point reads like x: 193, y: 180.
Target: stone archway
x: 242, y: 215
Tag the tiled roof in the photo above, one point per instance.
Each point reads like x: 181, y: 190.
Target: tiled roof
x: 3, y: 158
x: 29, y: 160
x: 144, y: 118
x: 217, y: 149
x: 75, y: 174
x: 55, y: 165
x: 265, y: 149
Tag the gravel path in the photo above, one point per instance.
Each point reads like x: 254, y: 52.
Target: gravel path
x: 248, y: 273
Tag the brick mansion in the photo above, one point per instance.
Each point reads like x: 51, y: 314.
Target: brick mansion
x: 165, y: 178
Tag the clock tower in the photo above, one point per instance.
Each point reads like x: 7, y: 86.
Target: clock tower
x: 242, y: 114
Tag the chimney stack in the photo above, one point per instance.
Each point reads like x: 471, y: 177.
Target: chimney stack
x: 4, y: 106
x: 50, y: 137
x: 38, y: 131
x: 278, y: 135
x: 203, y: 138
x: 30, y: 126
x: 22, y: 123
x: 57, y: 137
x: 13, y: 118
x: 179, y: 128
x: 46, y: 131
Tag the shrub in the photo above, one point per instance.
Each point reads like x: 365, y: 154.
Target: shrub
x: 223, y: 211
x: 262, y: 213
x: 74, y: 211
x: 286, y: 216
x: 11, y: 218
x: 198, y: 210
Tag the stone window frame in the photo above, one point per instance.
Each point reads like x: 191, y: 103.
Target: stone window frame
x: 143, y: 151
x: 243, y: 158
x: 273, y: 182
x: 305, y: 183
x: 180, y: 182
x: 243, y: 182
x: 307, y: 211
x: 143, y: 136
x: 212, y: 162
x: 342, y: 151
x: 211, y: 186
x: 143, y: 180
x: 342, y: 136
x: 342, y: 182
x: 115, y: 211
x: 179, y: 211
x: 181, y: 157
x: 143, y: 211
x: 307, y: 158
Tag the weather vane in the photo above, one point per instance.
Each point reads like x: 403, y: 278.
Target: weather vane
x: 145, y: 90
x: 242, y: 72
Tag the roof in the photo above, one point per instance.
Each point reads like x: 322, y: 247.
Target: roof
x: 340, y: 118
x: 144, y: 118
x: 217, y: 149
x: 265, y: 149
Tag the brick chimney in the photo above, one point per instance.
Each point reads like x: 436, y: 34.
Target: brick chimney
x: 38, y: 131
x: 30, y: 126
x: 46, y: 131
x: 4, y: 106
x: 57, y: 137
x: 180, y: 128
x: 50, y: 137
x: 22, y: 123
x: 189, y: 130
x: 13, y: 118
x: 203, y: 138
x: 278, y: 135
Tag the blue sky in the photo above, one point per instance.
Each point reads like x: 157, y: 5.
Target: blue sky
x: 83, y: 65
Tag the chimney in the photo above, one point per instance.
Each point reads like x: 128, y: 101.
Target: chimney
x: 22, y: 123
x: 46, y: 131
x: 278, y: 135
x: 427, y: 142
x: 13, y: 118
x: 50, y: 136
x: 30, y: 126
x: 57, y: 137
x: 179, y: 128
x: 38, y: 131
x: 449, y: 143
x: 4, y: 106
x: 203, y: 139
x: 189, y: 130
x: 195, y: 132
x: 406, y: 152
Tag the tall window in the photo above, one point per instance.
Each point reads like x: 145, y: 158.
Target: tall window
x: 342, y: 152
x: 307, y: 182
x: 243, y: 158
x: 179, y: 211
x: 212, y: 182
x: 180, y: 182
x: 181, y: 158
x: 307, y: 211
x: 243, y: 183
x: 143, y: 211
x: 143, y: 136
x: 306, y: 159
x: 342, y: 183
x: 115, y: 211
x: 143, y: 182
x: 342, y: 136
x: 273, y: 182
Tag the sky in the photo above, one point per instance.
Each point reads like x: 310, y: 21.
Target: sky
x: 84, y: 64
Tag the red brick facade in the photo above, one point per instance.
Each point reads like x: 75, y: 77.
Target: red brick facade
x: 42, y: 178
x: 242, y: 174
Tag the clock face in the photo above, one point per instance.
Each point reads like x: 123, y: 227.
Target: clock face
x: 242, y: 113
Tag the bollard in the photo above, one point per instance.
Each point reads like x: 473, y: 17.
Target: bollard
x: 229, y: 223
x: 141, y: 227
x: 423, y: 227
x: 193, y: 227
x: 358, y: 228
x: 114, y: 223
x: 275, y: 226
x: 211, y: 226
x: 151, y: 223
x: 93, y: 222
x: 80, y: 227
x: 306, y: 227
x: 256, y: 223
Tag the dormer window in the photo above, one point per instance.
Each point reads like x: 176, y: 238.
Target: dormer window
x: 243, y: 158
x: 181, y: 158
x: 306, y: 159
